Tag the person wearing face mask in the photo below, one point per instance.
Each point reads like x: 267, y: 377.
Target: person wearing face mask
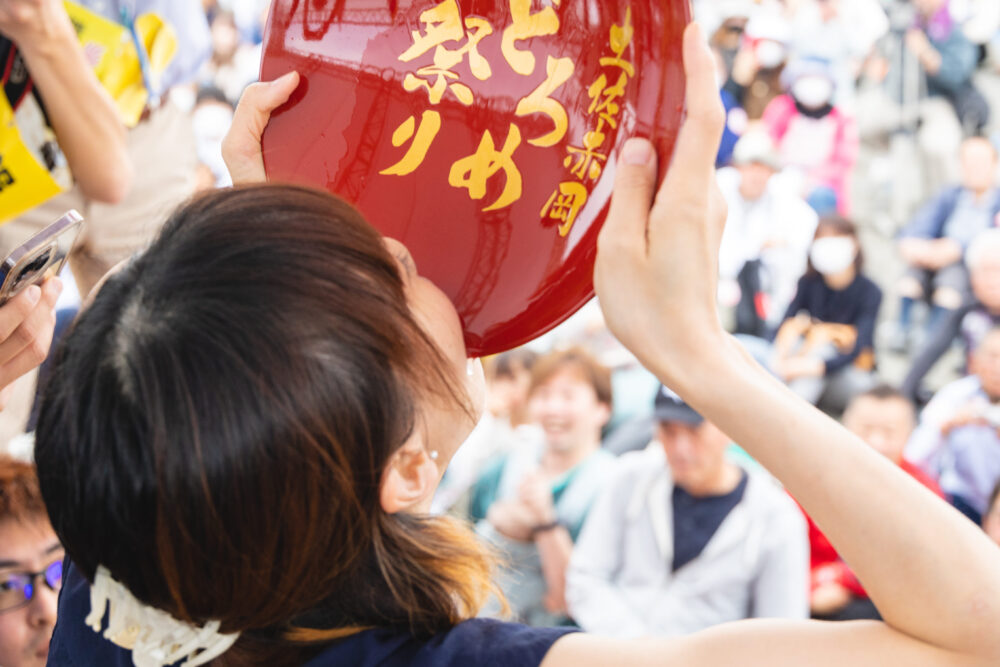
x: 824, y: 349
x: 765, y: 245
x: 234, y: 64
x: 755, y: 77
x: 816, y: 138
x: 211, y: 119
x: 842, y: 32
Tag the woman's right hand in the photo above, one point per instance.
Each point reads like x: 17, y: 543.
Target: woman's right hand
x: 26, y: 325
x: 27, y: 23
x: 657, y: 260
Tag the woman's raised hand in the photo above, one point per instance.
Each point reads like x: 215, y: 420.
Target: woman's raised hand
x: 657, y: 259
x: 241, y: 148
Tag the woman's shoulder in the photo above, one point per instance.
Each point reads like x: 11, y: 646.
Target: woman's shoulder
x: 478, y: 641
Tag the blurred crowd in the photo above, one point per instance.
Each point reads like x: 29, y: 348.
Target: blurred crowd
x: 860, y: 264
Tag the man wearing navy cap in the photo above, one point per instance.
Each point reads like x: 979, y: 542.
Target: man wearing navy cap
x: 685, y: 537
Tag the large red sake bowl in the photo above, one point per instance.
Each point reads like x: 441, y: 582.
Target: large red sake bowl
x: 482, y: 135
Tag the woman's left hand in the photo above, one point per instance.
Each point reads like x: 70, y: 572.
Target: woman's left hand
x: 241, y: 147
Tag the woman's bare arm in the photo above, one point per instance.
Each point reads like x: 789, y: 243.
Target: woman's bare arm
x: 933, y: 575
x: 83, y: 116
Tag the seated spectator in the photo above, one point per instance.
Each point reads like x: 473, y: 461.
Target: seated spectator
x: 683, y: 538
x: 725, y: 22
x: 211, y: 118
x: 980, y: 21
x: 991, y: 522
x: 948, y: 60
x: 30, y: 568
x: 765, y: 245
x: 884, y: 419
x: 233, y: 65
x: 824, y: 349
x: 532, y: 502
x: 504, y: 426
x: 815, y: 138
x: 933, y: 243
x: 958, y: 439
x: 842, y: 32
x: 736, y: 117
x: 971, y: 322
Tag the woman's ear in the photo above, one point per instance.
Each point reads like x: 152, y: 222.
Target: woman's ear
x: 410, y: 478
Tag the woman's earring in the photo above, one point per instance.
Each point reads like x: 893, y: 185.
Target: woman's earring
x: 433, y: 454
x: 470, y: 367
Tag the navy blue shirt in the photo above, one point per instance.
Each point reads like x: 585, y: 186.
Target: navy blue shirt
x: 697, y: 518
x: 856, y: 305
x: 481, y: 642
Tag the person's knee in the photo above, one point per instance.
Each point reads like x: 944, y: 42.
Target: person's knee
x: 809, y: 389
x: 910, y: 288
x: 948, y: 298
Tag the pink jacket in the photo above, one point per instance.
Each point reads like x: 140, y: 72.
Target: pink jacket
x: 825, y: 149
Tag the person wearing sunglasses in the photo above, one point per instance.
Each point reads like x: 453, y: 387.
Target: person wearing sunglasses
x: 30, y: 568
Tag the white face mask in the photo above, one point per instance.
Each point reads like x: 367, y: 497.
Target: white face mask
x: 833, y: 254
x: 211, y: 122
x: 770, y: 54
x: 813, y: 92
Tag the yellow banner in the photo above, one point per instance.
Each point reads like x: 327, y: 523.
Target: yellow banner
x: 24, y: 181
x: 110, y: 50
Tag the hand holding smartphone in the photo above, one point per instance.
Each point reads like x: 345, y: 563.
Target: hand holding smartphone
x: 27, y: 319
x: 40, y: 257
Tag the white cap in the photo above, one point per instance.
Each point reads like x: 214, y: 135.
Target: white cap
x: 757, y: 147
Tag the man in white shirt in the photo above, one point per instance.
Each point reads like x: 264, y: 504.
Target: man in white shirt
x: 683, y: 538
x: 768, y: 223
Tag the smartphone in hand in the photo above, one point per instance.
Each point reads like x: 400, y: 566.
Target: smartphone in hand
x: 40, y: 257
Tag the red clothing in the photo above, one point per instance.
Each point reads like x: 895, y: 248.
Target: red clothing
x: 825, y: 564
x: 922, y: 477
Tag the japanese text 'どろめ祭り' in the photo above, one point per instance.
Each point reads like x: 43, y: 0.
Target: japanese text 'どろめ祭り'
x: 444, y: 25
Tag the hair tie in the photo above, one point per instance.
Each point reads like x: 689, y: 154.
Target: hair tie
x: 155, y: 637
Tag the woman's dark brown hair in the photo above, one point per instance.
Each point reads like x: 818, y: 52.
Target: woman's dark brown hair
x: 220, y: 418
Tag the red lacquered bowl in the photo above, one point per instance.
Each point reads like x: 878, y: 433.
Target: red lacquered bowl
x: 482, y: 135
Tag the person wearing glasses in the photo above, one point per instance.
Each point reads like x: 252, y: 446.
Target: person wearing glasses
x: 30, y: 568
